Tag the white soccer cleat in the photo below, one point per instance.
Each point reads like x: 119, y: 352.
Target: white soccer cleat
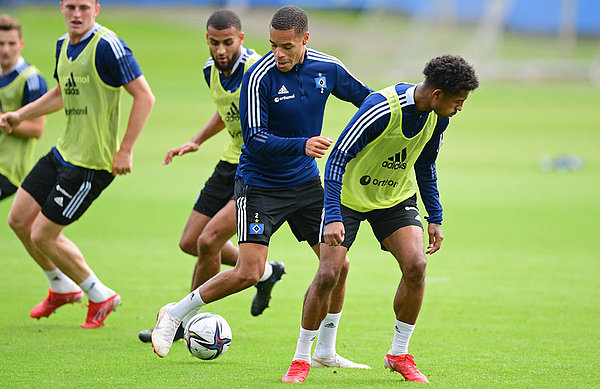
x: 336, y: 360
x: 164, y: 331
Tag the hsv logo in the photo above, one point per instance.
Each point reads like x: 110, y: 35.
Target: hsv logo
x: 396, y: 161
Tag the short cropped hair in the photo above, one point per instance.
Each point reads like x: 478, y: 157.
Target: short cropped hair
x: 8, y: 23
x: 222, y: 19
x: 451, y: 74
x: 289, y: 17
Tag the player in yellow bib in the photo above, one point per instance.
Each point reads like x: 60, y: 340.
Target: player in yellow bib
x: 212, y: 220
x: 368, y: 176
x: 92, y: 64
x: 20, y: 84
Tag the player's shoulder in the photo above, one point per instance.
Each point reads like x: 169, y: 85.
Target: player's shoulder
x: 321, y: 57
x: 209, y: 62
x: 263, y: 68
x: 109, y: 41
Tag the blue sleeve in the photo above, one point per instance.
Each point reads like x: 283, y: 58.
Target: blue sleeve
x: 35, y: 87
x: 115, y: 62
x: 426, y: 174
x: 255, y: 118
x: 349, y: 88
x: 206, y: 71
x: 367, y: 124
x: 58, y: 46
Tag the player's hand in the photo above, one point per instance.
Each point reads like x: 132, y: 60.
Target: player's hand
x: 179, y: 151
x: 334, y: 233
x: 122, y: 162
x: 435, y: 238
x: 317, y: 146
x: 9, y: 121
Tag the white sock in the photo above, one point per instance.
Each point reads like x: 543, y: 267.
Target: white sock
x: 268, y: 272
x: 95, y: 289
x: 327, y: 334
x: 59, y: 282
x: 187, y: 304
x: 402, y: 334
x: 305, y: 341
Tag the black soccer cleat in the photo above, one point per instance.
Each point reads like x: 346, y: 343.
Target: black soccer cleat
x: 260, y: 302
x: 146, y: 335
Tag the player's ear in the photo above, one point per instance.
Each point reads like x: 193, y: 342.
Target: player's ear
x: 437, y: 94
x: 305, y: 37
x: 241, y: 37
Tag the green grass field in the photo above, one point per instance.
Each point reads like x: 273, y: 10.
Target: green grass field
x: 512, y: 299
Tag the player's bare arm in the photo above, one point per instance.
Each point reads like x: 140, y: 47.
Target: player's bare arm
x: 317, y: 146
x: 143, y: 101
x: 435, y: 238
x: 334, y: 233
x: 214, y: 125
x: 48, y: 103
x: 32, y: 128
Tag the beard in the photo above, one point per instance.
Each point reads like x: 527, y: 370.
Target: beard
x: 230, y: 62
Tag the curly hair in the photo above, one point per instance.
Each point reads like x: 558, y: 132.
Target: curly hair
x: 289, y: 17
x: 451, y: 74
x: 222, y: 19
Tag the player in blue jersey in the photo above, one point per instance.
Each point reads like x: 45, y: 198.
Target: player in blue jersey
x: 368, y: 177
x: 92, y: 64
x: 282, y: 103
x: 20, y: 84
x: 212, y: 221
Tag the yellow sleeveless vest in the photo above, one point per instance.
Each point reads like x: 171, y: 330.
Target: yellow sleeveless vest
x: 16, y: 153
x: 381, y: 175
x: 228, y: 107
x: 92, y: 110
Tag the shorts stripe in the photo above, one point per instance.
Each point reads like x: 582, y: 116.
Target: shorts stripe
x: 321, y: 225
x: 78, y: 198
x: 241, y: 209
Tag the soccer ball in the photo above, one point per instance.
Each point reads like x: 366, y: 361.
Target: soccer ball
x: 207, y: 335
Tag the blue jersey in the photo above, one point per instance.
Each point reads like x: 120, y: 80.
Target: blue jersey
x: 280, y: 111
x: 115, y: 62
x: 366, y: 125
x: 233, y: 82
x: 35, y: 86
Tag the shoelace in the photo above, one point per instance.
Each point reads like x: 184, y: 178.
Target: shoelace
x: 296, y: 367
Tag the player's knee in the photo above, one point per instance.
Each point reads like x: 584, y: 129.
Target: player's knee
x: 345, y: 267
x: 18, y: 225
x: 248, y: 279
x: 207, y: 243
x: 327, y: 279
x: 187, y: 246
x: 414, y: 270
x: 39, y: 239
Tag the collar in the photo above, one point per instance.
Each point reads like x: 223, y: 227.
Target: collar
x: 91, y: 32
x: 243, y: 54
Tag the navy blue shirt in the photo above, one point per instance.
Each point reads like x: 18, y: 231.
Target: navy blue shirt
x: 367, y: 124
x: 35, y: 86
x: 233, y: 82
x: 280, y: 111
x: 115, y: 62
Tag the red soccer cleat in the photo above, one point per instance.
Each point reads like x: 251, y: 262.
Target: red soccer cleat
x: 53, y: 302
x: 97, y: 312
x: 297, y: 372
x: 405, y: 365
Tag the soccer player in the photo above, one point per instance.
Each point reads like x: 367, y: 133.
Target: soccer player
x: 212, y: 220
x: 282, y: 103
x: 20, y: 84
x: 92, y: 64
x: 368, y: 177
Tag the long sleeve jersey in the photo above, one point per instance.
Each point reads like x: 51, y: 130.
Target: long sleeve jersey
x: 367, y: 124
x: 280, y: 111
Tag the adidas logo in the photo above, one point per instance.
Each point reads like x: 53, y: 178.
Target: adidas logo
x: 71, y: 87
x: 396, y: 161
x: 59, y: 201
x: 283, y: 90
x: 233, y: 115
x: 329, y: 325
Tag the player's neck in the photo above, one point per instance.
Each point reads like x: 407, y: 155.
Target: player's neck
x: 76, y: 38
x: 6, y: 69
x: 422, y: 98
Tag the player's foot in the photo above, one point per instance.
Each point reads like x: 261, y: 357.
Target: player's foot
x: 146, y: 335
x: 405, y: 365
x: 54, y: 301
x: 336, y: 360
x: 98, y: 312
x: 164, y: 331
x: 297, y: 372
x: 260, y: 302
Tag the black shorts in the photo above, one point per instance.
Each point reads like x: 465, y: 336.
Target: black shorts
x: 217, y: 190
x: 6, y: 187
x: 261, y: 211
x: 383, y: 221
x: 64, y: 192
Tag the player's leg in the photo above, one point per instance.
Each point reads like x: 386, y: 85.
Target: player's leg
x: 25, y: 208
x: 247, y: 272
x: 406, y: 245
x: 188, y: 243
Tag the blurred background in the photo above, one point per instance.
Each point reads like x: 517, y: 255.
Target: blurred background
x: 523, y: 40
